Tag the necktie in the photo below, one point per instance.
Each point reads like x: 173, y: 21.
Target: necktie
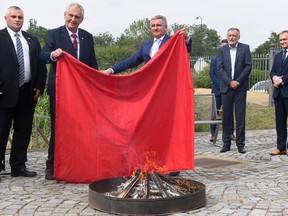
x: 155, y: 47
x: 284, y: 56
x: 20, y: 57
x: 75, y: 43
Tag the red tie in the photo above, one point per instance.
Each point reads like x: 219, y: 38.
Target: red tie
x: 75, y: 43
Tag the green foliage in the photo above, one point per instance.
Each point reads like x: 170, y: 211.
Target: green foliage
x: 265, y: 47
x: 111, y: 55
x: 37, y: 31
x: 256, y: 76
x: 202, y: 79
x: 104, y: 39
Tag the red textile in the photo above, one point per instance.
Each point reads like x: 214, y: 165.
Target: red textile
x: 110, y: 125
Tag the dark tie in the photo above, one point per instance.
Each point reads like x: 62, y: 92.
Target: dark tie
x: 284, y: 56
x: 75, y: 43
x: 20, y: 57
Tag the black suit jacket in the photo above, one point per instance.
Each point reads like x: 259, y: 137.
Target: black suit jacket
x: 59, y: 38
x: 243, y: 67
x: 280, y: 70
x: 9, y: 69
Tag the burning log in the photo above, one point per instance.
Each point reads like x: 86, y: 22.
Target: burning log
x: 151, y: 186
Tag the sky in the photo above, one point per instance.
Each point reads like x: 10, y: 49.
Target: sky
x: 256, y: 19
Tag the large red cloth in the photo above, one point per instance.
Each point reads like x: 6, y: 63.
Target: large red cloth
x: 111, y: 125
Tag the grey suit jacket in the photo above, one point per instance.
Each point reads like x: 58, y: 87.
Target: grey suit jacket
x: 243, y: 66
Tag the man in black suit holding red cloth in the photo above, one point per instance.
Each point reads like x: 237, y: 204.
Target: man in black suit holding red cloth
x: 75, y: 41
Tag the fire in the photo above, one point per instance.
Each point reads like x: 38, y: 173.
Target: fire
x: 149, y: 166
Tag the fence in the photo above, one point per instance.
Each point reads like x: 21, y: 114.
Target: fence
x: 259, y: 77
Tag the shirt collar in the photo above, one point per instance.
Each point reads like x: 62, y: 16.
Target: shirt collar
x: 70, y: 33
x: 12, y: 33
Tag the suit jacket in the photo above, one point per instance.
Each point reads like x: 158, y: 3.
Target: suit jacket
x: 9, y: 69
x: 243, y: 66
x: 59, y: 38
x: 279, y: 70
x: 214, y: 76
x: 143, y: 55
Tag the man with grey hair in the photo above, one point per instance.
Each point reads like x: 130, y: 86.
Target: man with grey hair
x: 149, y: 48
x: 75, y: 41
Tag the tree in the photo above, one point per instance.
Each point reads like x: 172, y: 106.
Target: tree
x: 104, y: 39
x: 37, y: 31
x: 136, y: 33
x: 265, y: 47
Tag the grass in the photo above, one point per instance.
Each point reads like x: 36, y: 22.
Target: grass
x: 257, y: 117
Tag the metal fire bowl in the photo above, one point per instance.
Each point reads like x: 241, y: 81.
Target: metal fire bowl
x: 98, y: 200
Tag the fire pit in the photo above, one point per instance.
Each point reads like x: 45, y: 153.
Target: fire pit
x: 145, y: 193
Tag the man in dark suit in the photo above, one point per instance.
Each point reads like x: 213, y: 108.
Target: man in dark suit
x: 78, y: 43
x: 279, y: 76
x: 149, y: 48
x: 22, y: 81
x: 215, y: 89
x: 234, y: 66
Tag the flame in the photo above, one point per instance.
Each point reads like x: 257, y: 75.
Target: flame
x: 149, y: 166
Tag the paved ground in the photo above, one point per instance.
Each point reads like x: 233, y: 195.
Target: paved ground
x: 256, y: 186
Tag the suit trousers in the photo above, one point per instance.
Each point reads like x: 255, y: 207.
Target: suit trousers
x: 281, y: 111
x: 234, y: 100
x: 22, y: 118
x: 51, y: 149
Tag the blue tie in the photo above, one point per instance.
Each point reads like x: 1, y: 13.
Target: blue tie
x: 284, y: 56
x: 20, y: 57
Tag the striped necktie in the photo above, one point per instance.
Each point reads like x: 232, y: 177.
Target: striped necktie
x: 20, y: 57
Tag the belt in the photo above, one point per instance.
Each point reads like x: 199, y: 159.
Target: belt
x: 24, y: 86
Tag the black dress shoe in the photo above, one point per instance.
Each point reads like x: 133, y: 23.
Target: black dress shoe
x: 241, y: 150
x: 174, y: 173
x: 22, y: 172
x: 225, y: 148
x: 49, y: 174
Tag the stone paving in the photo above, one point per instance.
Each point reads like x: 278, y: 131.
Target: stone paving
x: 257, y: 186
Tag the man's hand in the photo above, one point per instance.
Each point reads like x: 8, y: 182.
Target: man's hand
x: 234, y: 84
x: 107, y: 71
x: 185, y: 32
x: 277, y: 81
x: 57, y: 53
x: 37, y: 93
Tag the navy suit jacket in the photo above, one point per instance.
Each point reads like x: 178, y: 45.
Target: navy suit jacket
x: 143, y: 55
x: 9, y: 69
x: 215, y: 76
x: 243, y: 66
x: 278, y: 70
x: 59, y: 38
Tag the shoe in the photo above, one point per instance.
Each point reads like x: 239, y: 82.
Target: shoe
x: 174, y: 173
x: 278, y: 152
x: 212, y: 139
x: 49, y: 174
x: 241, y: 150
x: 22, y: 172
x: 232, y: 137
x: 225, y: 148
